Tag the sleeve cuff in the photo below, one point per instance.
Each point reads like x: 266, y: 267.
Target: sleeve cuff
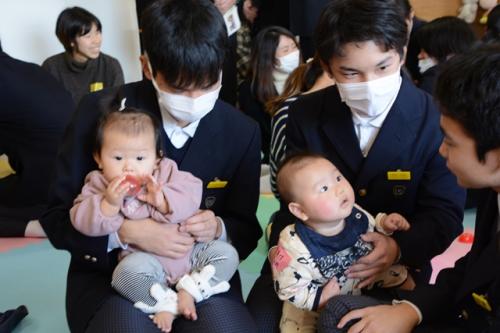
x: 417, y: 310
x: 317, y: 298
x: 114, y: 242
x: 378, y: 224
x: 223, y: 235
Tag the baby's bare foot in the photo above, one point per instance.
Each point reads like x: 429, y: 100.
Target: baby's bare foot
x: 185, y: 305
x: 164, y: 320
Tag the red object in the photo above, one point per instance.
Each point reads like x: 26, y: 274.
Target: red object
x: 466, y: 237
x: 135, y: 185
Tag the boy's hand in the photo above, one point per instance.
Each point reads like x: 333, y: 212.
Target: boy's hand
x: 384, y: 254
x: 203, y: 226
x: 330, y: 289
x: 400, y: 318
x: 163, y: 239
x: 393, y: 222
x: 154, y: 195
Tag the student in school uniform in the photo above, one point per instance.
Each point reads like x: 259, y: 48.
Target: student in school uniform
x: 383, y: 135
x: 205, y: 136
x: 466, y: 297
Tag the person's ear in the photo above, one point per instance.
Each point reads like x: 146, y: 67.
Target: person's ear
x: 492, y: 158
x: 145, y: 68
x: 326, y: 68
x: 403, y: 58
x: 296, y: 209
x: 409, y: 21
x: 97, y: 159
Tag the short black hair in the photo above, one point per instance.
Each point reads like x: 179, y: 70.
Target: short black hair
x: 405, y: 7
x: 353, y: 21
x: 493, y: 26
x: 468, y: 91
x: 186, y: 41
x: 445, y: 36
x: 74, y: 22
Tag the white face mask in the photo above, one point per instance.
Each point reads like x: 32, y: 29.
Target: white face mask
x: 184, y: 108
x: 425, y: 64
x: 289, y: 62
x: 370, y: 98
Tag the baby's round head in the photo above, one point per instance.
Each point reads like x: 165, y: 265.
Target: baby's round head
x: 314, y: 189
x: 127, y: 142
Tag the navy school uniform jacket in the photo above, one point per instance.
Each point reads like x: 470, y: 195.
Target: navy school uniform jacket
x: 477, y: 272
x: 34, y: 112
x: 226, y: 146
x: 429, y: 198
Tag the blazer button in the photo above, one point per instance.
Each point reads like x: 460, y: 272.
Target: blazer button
x: 86, y: 257
x: 93, y: 259
x: 464, y: 315
x: 362, y: 192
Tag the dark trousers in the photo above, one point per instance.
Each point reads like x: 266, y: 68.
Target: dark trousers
x: 215, y: 315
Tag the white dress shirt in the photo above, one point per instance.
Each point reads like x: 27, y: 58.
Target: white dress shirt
x: 367, y: 128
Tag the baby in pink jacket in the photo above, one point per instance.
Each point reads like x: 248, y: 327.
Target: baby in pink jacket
x: 135, y: 182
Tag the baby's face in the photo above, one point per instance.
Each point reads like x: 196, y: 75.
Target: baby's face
x: 123, y: 154
x: 324, y: 194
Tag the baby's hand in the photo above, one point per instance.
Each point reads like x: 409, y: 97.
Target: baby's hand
x: 154, y: 195
x: 393, y: 222
x: 330, y: 289
x: 116, y: 191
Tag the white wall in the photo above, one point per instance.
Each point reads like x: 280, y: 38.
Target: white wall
x: 27, y: 30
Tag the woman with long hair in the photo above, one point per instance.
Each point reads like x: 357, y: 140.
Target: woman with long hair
x: 275, y: 54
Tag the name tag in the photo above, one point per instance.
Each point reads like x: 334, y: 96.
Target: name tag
x: 217, y: 184
x: 482, y: 301
x: 96, y: 86
x: 399, y: 175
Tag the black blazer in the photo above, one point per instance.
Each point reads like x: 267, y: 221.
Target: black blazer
x: 225, y: 146
x: 409, y: 141
x: 478, y: 271
x: 34, y: 111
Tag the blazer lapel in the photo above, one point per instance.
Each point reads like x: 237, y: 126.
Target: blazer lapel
x: 202, y: 144
x: 339, y: 129
x: 394, y: 136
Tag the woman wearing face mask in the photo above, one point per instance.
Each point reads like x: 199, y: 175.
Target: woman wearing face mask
x: 439, y: 40
x: 275, y: 54
x: 82, y: 68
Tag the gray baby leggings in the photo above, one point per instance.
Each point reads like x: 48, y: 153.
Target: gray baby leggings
x: 138, y: 271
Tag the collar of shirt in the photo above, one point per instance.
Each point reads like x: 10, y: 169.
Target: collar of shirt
x: 376, y: 121
x: 176, y: 134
